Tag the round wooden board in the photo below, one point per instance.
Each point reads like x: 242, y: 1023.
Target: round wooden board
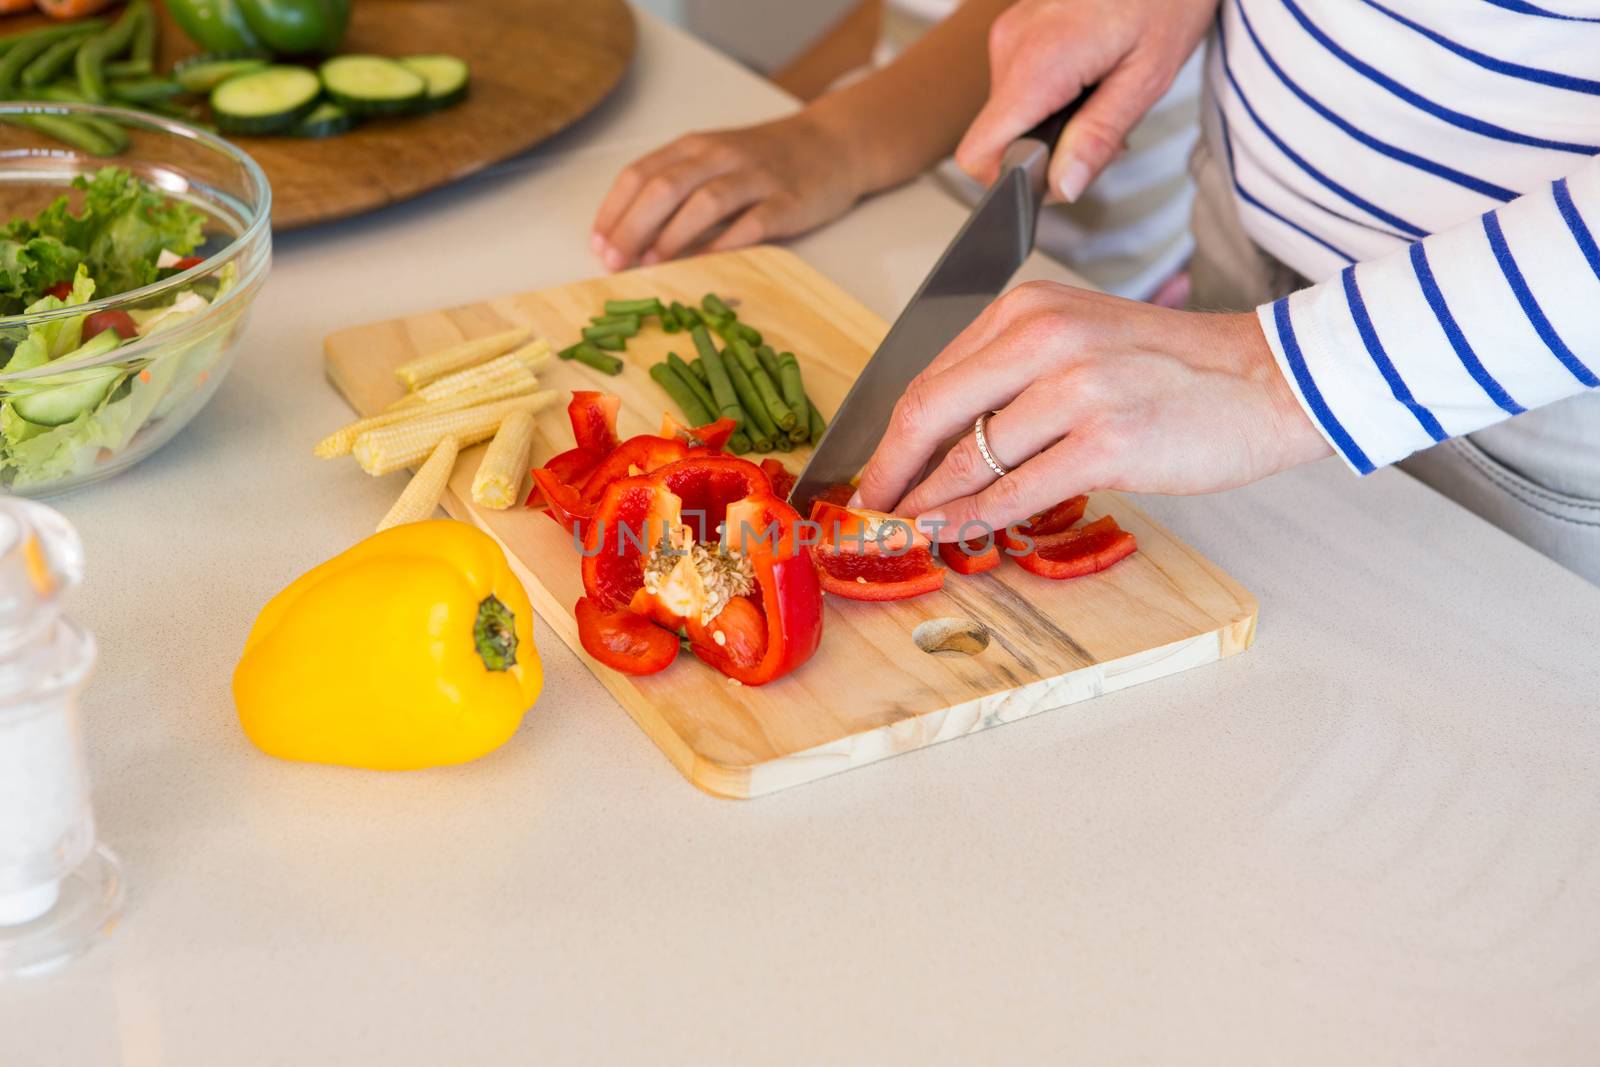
x: 537, y: 67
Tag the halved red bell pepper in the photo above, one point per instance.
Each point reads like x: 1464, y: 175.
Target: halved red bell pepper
x: 560, y: 499
x: 593, y: 415
x: 1073, y: 553
x: 1017, y: 538
x: 838, y: 494
x: 972, y: 556
x: 633, y: 457
x: 861, y: 557
x: 766, y: 631
x: 624, y: 641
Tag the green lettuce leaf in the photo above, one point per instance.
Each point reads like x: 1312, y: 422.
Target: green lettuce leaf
x: 54, y: 338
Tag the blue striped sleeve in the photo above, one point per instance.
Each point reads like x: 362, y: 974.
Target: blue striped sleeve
x: 1451, y: 333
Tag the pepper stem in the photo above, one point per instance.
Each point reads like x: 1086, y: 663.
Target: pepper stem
x: 495, y: 635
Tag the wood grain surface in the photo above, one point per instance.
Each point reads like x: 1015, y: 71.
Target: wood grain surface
x: 537, y: 67
x: 871, y: 691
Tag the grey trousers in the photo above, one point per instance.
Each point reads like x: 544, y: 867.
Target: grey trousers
x: 1536, y: 476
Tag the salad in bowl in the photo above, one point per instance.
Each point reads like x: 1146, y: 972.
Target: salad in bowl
x: 122, y: 292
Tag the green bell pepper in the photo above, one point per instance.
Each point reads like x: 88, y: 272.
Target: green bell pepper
x: 215, y: 25
x: 298, y: 27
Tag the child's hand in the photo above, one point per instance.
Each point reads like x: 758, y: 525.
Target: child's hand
x: 773, y: 180
x: 1042, y: 53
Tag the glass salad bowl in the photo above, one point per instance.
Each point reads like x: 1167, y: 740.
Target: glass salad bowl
x: 120, y: 306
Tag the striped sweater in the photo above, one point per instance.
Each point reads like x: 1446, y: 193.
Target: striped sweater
x: 1430, y: 165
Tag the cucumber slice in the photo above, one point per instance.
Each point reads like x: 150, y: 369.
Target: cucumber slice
x: 203, y: 73
x: 372, y: 85
x: 327, y: 120
x: 270, y: 100
x: 78, y: 392
x: 446, y: 77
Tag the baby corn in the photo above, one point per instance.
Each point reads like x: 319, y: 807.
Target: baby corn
x: 424, y: 369
x: 423, y: 492
x: 499, y: 477
x: 513, y: 366
x: 342, y: 440
x: 391, y: 447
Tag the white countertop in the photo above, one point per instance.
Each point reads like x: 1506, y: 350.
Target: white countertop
x: 1373, y: 839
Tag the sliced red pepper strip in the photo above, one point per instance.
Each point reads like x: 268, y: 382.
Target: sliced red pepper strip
x: 623, y: 640
x: 782, y: 481
x: 711, y: 438
x: 560, y: 498
x: 1073, y: 553
x: 594, y: 419
x: 778, y: 626
x: 574, y: 465
x: 972, y: 556
x: 1016, y: 538
x: 877, y: 575
x: 860, y: 530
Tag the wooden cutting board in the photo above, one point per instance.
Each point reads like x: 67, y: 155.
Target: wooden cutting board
x: 537, y: 67
x: 873, y: 690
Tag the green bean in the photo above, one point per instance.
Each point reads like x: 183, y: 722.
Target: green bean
x: 670, y: 323
x: 717, y: 379
x: 145, y: 38
x: 794, y: 393
x: 778, y: 413
x: 648, y: 306
x: 733, y: 328
x: 681, y: 369
x: 762, y: 431
x: 49, y: 34
x: 714, y: 305
x: 618, y: 330
x: 602, y: 320
x: 610, y: 344
x: 43, y: 70
x: 570, y: 351
x: 106, y: 130
x: 739, y: 443
x: 21, y: 56
x: 693, y: 410
x: 589, y: 355
x: 145, y: 90
x: 129, y: 68
x: 91, y: 59
x: 77, y: 134
x: 687, y: 317
x: 698, y: 368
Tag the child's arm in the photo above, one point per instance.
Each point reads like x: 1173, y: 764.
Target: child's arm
x: 784, y: 177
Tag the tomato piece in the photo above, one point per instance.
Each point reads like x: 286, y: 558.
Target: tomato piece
x: 60, y: 290
x: 186, y: 262
x: 101, y: 321
x: 593, y: 415
x: 878, y: 575
x: 623, y: 640
x: 635, y: 456
x: 972, y: 556
x: 1074, y: 553
x: 1016, y: 538
x: 782, y: 481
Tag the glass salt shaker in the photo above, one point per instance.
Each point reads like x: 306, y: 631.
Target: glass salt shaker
x: 59, y: 890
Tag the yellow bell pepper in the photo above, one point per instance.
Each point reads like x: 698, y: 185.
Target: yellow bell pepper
x: 413, y: 649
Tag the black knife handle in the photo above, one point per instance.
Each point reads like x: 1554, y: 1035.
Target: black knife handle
x: 1051, y: 126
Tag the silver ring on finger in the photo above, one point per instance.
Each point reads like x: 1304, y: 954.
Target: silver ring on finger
x: 982, y: 438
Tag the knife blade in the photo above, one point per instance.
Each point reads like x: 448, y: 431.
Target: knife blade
x: 973, y: 270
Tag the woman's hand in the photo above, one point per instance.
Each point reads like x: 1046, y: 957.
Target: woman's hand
x: 1091, y: 392
x: 1043, y: 53
x: 768, y: 181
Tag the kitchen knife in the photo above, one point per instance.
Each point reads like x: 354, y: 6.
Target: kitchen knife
x: 972, y: 272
